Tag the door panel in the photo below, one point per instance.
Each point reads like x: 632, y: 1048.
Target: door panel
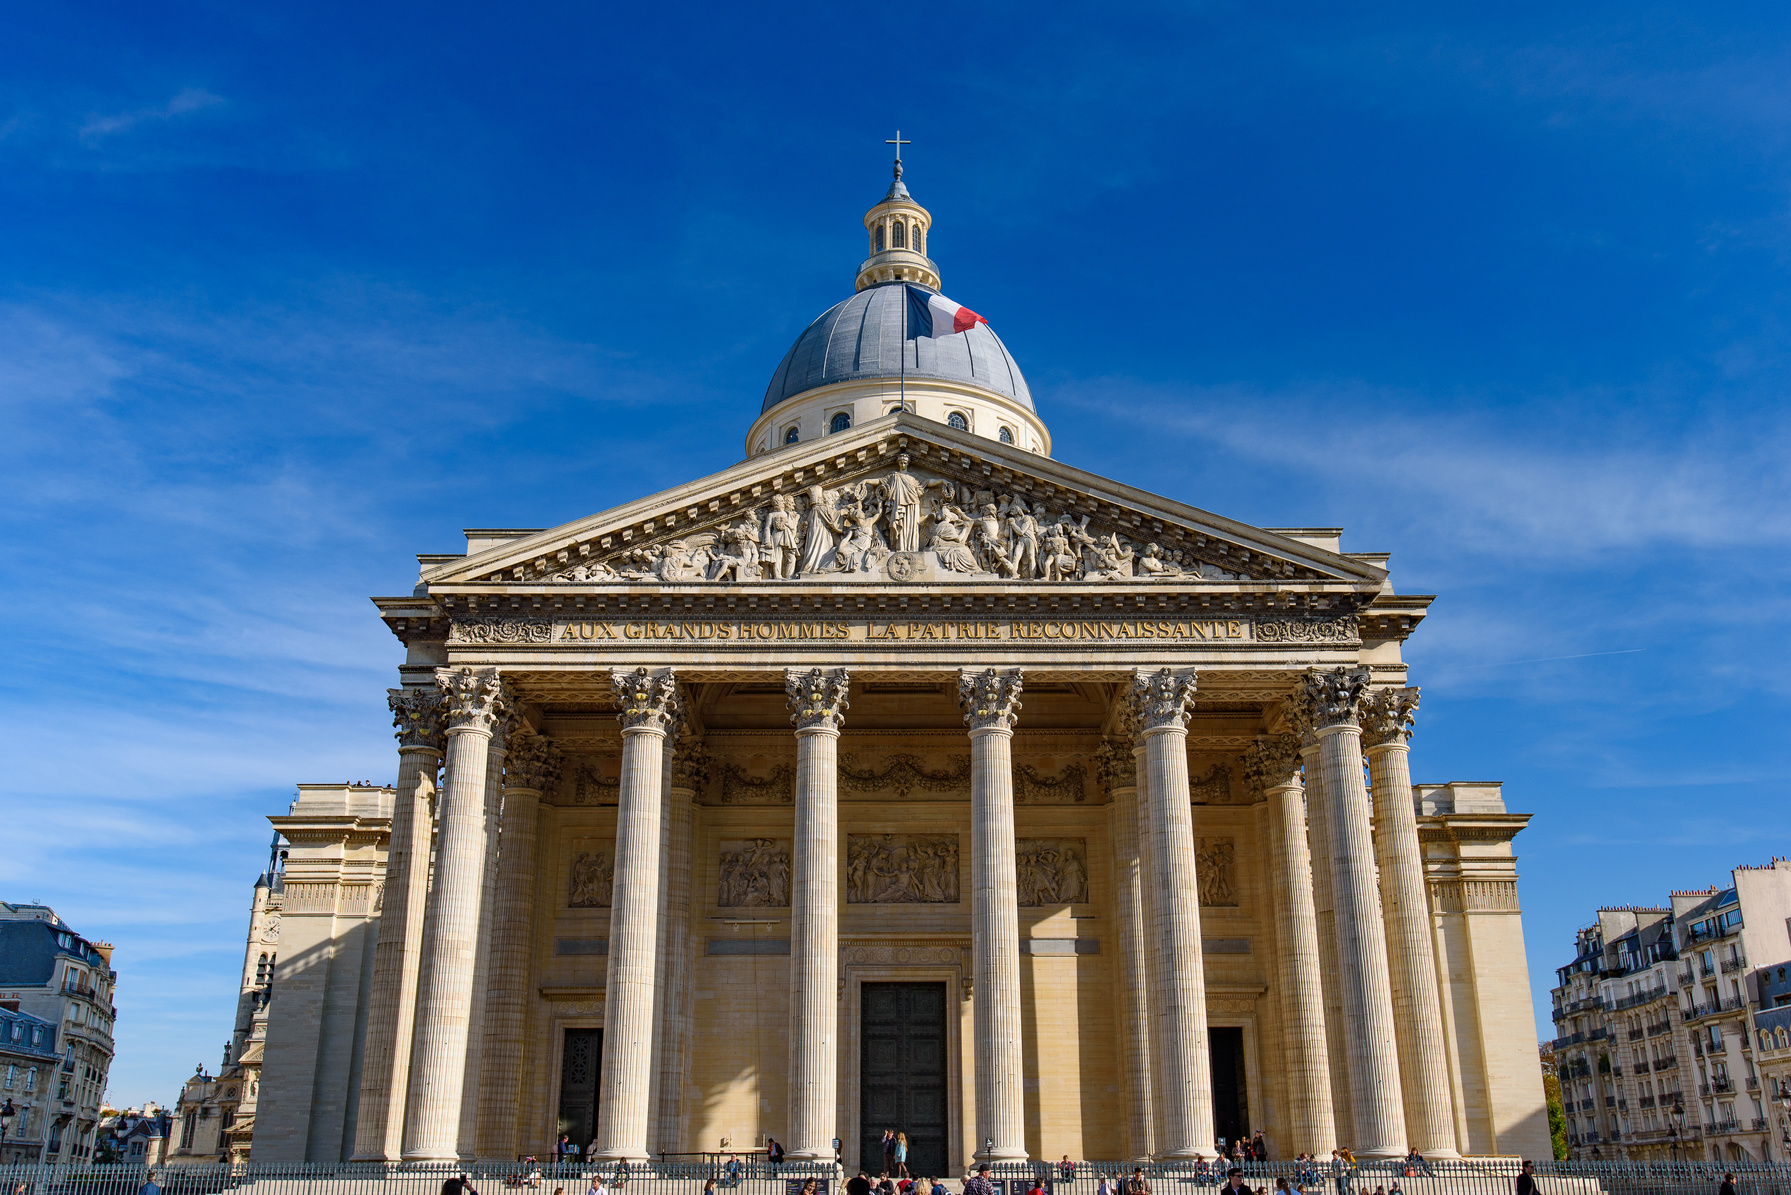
x: 902, y: 1075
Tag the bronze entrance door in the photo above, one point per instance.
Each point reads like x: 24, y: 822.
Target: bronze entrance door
x: 902, y: 1073
x: 581, y: 1065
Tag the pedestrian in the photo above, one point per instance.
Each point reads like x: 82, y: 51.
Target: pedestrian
x: 979, y: 1184
x: 1234, y: 1181
x: 901, y: 1154
x: 860, y: 1185
x: 708, y: 1186
x: 1526, y: 1178
x: 1107, y: 1186
x: 1259, y: 1149
x: 1136, y: 1185
x: 774, y: 1153
x: 1038, y: 1186
x: 1066, y: 1169
x: 563, y: 1148
x: 936, y: 1187
x: 733, y: 1171
x: 810, y: 1188
x: 889, y: 1144
x: 596, y: 1184
x: 1281, y: 1187
x: 149, y: 1187
x: 1728, y: 1183
x: 535, y: 1177
x: 458, y: 1185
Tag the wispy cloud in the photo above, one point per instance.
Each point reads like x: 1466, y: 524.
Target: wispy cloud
x: 184, y: 103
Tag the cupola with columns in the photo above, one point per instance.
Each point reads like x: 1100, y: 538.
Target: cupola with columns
x: 897, y: 231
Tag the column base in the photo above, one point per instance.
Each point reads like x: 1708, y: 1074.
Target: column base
x: 429, y: 1158
x: 1385, y: 1153
x: 809, y: 1155
x: 620, y: 1154
x: 1000, y: 1154
x: 1208, y: 1152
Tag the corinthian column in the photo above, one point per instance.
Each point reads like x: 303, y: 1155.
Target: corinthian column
x: 1332, y: 701
x: 475, y: 700
x: 1405, y: 906
x: 531, y: 767
x: 650, y: 706
x: 1181, y: 1074
x: 991, y: 701
x: 1273, y: 770
x: 392, y: 1004
x: 817, y: 703
x: 1119, y: 773
x: 689, y: 770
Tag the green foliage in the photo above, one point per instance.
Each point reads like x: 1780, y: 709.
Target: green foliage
x: 1557, y: 1115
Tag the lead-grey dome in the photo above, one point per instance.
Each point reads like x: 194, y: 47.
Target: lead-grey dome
x: 861, y: 339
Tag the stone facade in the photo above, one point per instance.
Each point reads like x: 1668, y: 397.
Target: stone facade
x: 1675, y: 1026
x: 901, y: 773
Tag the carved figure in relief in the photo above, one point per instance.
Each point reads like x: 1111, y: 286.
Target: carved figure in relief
x: 755, y: 874
x: 906, y: 494
x: 821, y: 531
x: 783, y: 536
x: 1058, y: 561
x: 985, y: 540
x: 591, y: 880
x: 901, y: 869
x: 1051, y: 871
x: 738, y: 559
x: 1022, y: 539
x: 951, y: 533
x: 859, y: 551
x: 1152, y: 564
x: 1213, y: 862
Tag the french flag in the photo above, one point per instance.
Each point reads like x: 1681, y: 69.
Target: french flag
x: 934, y: 315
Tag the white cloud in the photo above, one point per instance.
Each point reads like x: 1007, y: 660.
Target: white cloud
x: 183, y: 103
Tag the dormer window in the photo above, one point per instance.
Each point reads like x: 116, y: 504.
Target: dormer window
x: 840, y: 422
x: 957, y: 420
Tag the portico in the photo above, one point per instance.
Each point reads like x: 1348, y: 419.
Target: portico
x: 904, y: 777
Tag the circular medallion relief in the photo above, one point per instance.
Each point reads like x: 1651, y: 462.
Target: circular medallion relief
x: 903, y: 566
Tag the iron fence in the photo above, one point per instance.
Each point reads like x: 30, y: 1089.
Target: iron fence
x: 1485, y: 1176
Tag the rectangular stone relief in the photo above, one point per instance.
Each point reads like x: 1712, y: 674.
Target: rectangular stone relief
x: 901, y: 869
x: 1215, y: 862
x: 1051, y: 871
x: 591, y: 877
x: 755, y: 874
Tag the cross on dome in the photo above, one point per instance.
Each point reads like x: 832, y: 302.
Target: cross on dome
x: 898, y: 143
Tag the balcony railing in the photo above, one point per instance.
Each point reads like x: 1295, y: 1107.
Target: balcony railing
x: 1732, y: 965
x: 1660, y: 1027
x: 1722, y: 1085
x: 1574, y: 1039
x: 1753, y: 1082
x: 1724, y: 1126
x: 1646, y: 1101
x: 1599, y: 1034
x: 1661, y: 1064
x: 1635, y: 1035
x: 1759, y: 1124
x: 1610, y: 1101
x: 1685, y: 978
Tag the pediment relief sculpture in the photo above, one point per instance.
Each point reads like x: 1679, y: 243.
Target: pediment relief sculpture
x: 591, y: 878
x: 937, y: 519
x: 1051, y: 871
x: 755, y: 874
x: 901, y: 869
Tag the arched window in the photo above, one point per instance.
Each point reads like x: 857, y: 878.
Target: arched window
x: 879, y: 238
x: 790, y: 437
x: 840, y: 423
x: 920, y: 240
x: 1007, y: 437
x: 898, y: 235
x: 957, y: 420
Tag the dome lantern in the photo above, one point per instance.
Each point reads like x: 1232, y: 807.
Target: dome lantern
x: 896, y: 232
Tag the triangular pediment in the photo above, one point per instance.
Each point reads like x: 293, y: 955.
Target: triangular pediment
x: 964, y: 511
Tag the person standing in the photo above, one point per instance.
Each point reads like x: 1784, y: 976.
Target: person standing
x: 889, y: 1145
x: 901, y: 1155
x: 596, y: 1186
x: 1137, y: 1184
x: 979, y: 1183
x: 458, y: 1185
x: 774, y: 1153
x: 1526, y: 1178
x: 860, y: 1185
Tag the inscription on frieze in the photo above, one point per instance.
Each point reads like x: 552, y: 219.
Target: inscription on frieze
x: 877, y: 630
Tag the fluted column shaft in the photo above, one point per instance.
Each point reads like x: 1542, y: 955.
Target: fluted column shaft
x: 1318, y: 833
x: 1133, y: 994
x: 397, y: 958
x: 531, y: 766
x: 817, y: 700
x: 649, y: 707
x: 470, y: 1104
x: 1375, y: 1094
x: 1311, y: 1129
x: 676, y: 994
x: 450, y: 938
x: 1405, y: 907
x: 991, y: 702
x: 1183, y: 1103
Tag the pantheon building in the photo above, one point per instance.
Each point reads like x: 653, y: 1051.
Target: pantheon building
x: 901, y: 776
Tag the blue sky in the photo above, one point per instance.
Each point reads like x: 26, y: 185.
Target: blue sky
x: 288, y: 294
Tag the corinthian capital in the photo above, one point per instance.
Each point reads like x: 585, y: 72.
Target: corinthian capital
x: 1387, y: 716
x: 1116, y: 765
x: 1272, y: 762
x: 1334, y: 698
x: 649, y: 698
x: 989, y: 697
x: 475, y: 697
x: 417, y: 715
x: 1163, y: 698
x: 532, y: 762
x: 817, y: 697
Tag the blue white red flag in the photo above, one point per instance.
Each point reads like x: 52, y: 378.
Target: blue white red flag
x: 933, y: 315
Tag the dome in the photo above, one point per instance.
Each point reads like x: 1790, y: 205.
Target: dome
x: 861, y: 340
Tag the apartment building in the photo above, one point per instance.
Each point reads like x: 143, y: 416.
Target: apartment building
x: 1660, y: 1016
x: 53, y: 973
